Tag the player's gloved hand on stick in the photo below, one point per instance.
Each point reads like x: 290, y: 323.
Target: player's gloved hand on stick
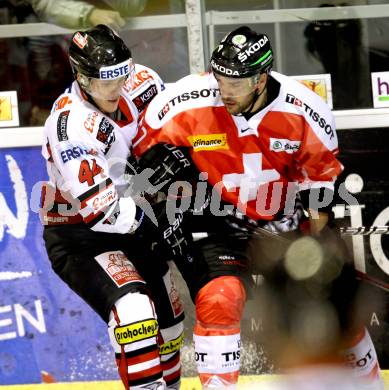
x: 287, y: 223
x: 168, y: 234
x: 169, y: 163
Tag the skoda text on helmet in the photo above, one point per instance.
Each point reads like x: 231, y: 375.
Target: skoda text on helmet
x: 99, y: 56
x: 242, y: 53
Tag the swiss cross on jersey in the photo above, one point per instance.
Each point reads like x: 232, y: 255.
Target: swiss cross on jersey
x: 251, y: 179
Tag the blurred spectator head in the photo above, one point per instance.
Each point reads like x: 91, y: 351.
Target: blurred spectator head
x: 324, y: 37
x: 51, y: 74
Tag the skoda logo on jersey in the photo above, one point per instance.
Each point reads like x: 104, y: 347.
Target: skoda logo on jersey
x: 115, y: 71
x: 222, y: 69
x: 252, y: 49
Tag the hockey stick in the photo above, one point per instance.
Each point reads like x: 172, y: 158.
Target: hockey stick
x: 364, y: 230
x: 344, y: 231
x: 260, y: 231
x: 373, y: 281
x: 369, y: 230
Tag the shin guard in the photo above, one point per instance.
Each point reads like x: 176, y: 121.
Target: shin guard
x: 361, y: 356
x: 171, y: 340
x: 219, y: 308
x: 133, y: 332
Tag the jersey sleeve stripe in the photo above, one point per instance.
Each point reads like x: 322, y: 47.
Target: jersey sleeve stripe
x: 308, y: 185
x: 94, y: 191
x: 92, y: 219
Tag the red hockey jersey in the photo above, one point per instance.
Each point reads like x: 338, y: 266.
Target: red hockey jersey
x: 253, y: 163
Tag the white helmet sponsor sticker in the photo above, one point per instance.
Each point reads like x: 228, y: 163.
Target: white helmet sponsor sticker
x: 239, y: 39
x: 115, y: 71
x: 80, y: 40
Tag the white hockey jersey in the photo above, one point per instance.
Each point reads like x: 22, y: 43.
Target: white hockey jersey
x: 86, y: 153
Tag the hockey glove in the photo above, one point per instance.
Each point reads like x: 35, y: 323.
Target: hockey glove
x: 169, y: 164
x: 287, y: 223
x: 239, y: 222
x: 167, y: 234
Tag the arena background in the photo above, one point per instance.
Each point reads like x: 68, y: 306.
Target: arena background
x: 47, y: 334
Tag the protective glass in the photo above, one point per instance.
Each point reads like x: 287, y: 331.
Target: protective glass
x: 236, y: 87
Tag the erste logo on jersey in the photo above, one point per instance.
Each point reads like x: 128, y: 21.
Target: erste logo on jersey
x: 208, y: 142
x: 291, y: 99
x: 115, y: 71
x: 206, y: 92
x: 242, y: 57
x: 74, y: 152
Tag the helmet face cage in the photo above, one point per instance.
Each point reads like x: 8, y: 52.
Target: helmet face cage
x: 100, y: 57
x: 242, y: 53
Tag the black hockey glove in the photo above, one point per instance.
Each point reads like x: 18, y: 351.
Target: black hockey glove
x: 166, y: 234
x: 240, y: 222
x: 169, y: 163
x: 287, y: 223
